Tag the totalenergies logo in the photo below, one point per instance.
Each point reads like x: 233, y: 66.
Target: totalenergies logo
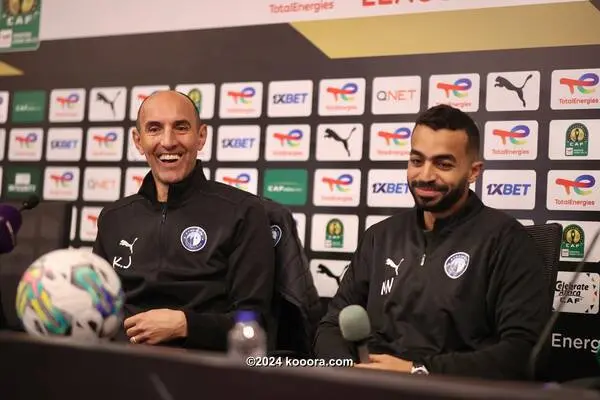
x: 63, y: 180
x: 292, y: 138
x: 92, y: 218
x: 105, y: 140
x: 459, y: 88
x: 344, y: 93
x: 27, y: 140
x: 243, y: 96
x: 398, y: 138
x: 68, y: 101
x: 341, y: 184
x: 585, y: 84
x: 137, y: 179
x: 579, y: 184
x: 241, y: 181
x: 514, y: 135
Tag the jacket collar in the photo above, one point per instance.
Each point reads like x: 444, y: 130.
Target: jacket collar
x: 178, y: 192
x: 471, y: 207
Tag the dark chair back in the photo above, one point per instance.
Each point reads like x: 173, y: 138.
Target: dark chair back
x: 548, y: 238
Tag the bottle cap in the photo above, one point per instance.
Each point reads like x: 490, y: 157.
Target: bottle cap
x: 245, y: 316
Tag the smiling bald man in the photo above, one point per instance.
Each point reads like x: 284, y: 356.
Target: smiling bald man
x: 189, y: 251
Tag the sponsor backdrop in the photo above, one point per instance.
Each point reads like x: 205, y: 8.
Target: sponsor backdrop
x: 328, y: 136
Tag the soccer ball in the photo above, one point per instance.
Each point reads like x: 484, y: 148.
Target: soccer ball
x: 70, y: 293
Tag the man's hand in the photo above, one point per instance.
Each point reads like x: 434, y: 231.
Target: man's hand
x: 156, y: 326
x: 387, y: 363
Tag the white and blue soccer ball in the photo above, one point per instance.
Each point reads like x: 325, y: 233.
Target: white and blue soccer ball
x: 70, y: 293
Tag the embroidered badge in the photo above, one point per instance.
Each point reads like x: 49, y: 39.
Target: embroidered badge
x: 277, y: 233
x: 456, y: 264
x: 193, y: 238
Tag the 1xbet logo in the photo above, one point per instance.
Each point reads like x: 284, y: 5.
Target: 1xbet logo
x: 508, y: 189
x: 289, y: 98
x: 390, y: 188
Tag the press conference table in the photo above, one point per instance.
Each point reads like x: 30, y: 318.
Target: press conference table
x: 32, y: 368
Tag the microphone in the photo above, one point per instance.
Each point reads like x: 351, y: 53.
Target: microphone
x: 552, y: 321
x: 31, y: 203
x: 356, y: 327
x: 11, y: 221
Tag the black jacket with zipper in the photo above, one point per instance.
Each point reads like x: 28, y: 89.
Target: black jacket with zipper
x: 425, y: 306
x: 206, y: 275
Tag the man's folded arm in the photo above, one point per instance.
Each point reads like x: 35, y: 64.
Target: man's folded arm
x: 251, y: 281
x: 522, y: 307
x: 354, y: 289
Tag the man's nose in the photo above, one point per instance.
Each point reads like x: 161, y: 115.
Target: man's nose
x: 169, y: 138
x: 427, y: 172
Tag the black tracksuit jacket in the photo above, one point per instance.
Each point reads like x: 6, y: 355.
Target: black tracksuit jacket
x: 481, y: 323
x: 230, y: 266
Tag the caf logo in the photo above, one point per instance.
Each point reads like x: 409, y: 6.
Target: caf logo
x: 16, y: 7
x: 577, y: 140
x: 573, y: 242
x: 196, y: 96
x: 334, y: 234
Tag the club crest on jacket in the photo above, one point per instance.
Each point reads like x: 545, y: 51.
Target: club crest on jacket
x: 193, y: 238
x: 456, y: 264
x: 277, y: 233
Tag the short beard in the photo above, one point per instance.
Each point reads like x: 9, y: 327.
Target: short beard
x: 448, y: 200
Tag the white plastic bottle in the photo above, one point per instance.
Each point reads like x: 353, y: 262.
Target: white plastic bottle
x: 247, y: 338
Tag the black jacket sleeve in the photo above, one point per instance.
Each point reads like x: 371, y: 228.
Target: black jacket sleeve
x: 97, y: 248
x: 251, y: 280
x: 520, y: 298
x: 299, y: 312
x: 354, y: 289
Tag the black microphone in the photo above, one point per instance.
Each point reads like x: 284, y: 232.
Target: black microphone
x: 31, y: 203
x: 356, y: 327
x: 535, y: 353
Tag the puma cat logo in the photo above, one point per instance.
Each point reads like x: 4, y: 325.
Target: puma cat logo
x: 390, y: 263
x: 101, y: 97
x: 126, y: 244
x: 330, y: 133
x: 321, y: 269
x: 508, y: 85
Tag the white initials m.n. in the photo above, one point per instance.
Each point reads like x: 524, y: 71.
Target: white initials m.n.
x: 386, y: 286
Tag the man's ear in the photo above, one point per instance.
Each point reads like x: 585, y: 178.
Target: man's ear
x: 203, y: 132
x: 137, y: 140
x: 476, y: 170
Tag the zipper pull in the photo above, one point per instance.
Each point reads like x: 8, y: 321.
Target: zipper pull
x: 423, y: 260
x: 164, y: 213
